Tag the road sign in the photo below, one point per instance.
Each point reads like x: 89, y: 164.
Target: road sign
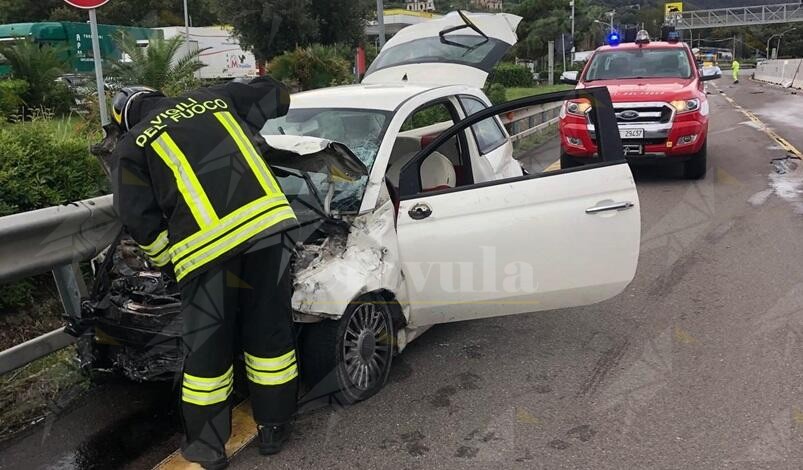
x: 673, y: 12
x: 87, y: 4
x: 673, y: 7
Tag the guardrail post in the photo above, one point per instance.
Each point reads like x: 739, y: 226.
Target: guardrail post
x: 71, y: 287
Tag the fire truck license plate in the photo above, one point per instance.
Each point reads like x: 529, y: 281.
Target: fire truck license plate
x: 631, y: 133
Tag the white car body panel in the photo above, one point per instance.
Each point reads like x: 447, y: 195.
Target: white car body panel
x: 329, y: 277
x: 540, y: 222
x: 522, y: 246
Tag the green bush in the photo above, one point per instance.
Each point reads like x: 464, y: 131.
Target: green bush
x: 44, y: 163
x: 11, y: 93
x: 47, y: 162
x: 512, y: 75
x: 497, y: 93
x: 312, y: 67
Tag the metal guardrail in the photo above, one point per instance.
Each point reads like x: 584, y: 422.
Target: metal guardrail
x: 33, y: 242
x: 525, y: 122
x: 55, y: 239
x: 741, y: 16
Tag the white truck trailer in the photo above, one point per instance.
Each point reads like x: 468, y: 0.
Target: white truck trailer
x: 223, y: 56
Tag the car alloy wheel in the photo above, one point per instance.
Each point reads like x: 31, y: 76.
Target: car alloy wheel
x: 349, y: 359
x: 366, y: 346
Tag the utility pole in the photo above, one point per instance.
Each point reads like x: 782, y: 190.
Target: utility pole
x: 186, y: 26
x: 571, y: 2
x: 734, y: 48
x: 551, y: 61
x: 380, y: 18
x: 563, y: 49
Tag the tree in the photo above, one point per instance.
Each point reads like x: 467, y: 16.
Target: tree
x: 39, y: 66
x: 341, y: 21
x: 21, y: 11
x: 312, y: 67
x: 272, y: 27
x: 157, y: 66
x: 147, y: 13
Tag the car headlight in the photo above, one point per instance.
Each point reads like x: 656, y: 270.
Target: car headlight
x: 686, y: 106
x: 578, y: 108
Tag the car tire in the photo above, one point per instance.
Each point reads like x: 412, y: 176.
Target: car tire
x: 695, y: 167
x: 568, y: 162
x: 349, y: 359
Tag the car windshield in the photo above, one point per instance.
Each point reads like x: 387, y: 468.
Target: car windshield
x: 361, y: 130
x: 639, y: 63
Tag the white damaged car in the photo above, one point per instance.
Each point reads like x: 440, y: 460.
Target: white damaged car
x: 444, y: 225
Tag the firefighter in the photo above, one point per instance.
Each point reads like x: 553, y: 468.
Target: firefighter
x: 735, y: 69
x: 192, y: 189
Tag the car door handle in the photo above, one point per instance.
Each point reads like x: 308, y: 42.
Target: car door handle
x: 420, y: 211
x: 609, y: 206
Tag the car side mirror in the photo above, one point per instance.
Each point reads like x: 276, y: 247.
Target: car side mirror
x: 710, y: 73
x: 569, y: 77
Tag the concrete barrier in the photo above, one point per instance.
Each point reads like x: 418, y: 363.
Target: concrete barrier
x: 784, y: 72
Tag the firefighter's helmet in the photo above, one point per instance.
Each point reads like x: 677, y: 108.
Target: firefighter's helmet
x: 125, y: 98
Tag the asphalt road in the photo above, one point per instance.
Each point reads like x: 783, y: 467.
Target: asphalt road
x: 696, y: 365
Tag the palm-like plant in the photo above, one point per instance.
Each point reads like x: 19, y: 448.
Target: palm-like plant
x: 40, y: 66
x: 158, y: 65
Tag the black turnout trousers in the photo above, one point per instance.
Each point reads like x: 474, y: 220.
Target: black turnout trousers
x: 247, y: 295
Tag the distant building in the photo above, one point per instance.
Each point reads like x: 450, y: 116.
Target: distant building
x: 487, y: 4
x: 420, y: 5
x: 396, y: 19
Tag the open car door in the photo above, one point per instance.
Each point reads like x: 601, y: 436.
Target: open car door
x: 550, y: 240
x: 458, y: 49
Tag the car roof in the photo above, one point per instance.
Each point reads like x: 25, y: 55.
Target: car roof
x: 385, y: 97
x: 651, y: 45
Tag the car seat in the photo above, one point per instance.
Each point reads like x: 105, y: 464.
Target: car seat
x: 437, y: 172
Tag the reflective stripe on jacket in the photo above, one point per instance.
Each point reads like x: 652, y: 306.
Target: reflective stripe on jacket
x: 192, y: 188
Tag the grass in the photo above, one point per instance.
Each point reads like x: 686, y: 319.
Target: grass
x: 45, y: 386
x: 516, y: 93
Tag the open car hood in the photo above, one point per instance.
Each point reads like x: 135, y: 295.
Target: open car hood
x: 459, y: 49
x: 314, y: 155
x: 315, y: 170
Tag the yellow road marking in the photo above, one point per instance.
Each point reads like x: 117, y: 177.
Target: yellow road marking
x: 243, y: 431
x: 524, y: 416
x: 553, y: 167
x: 724, y: 177
x: 783, y: 143
x: 797, y: 415
x: 683, y: 336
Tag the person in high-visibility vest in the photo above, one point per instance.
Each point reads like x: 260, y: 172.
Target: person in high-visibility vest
x: 193, y: 190
x: 735, y: 70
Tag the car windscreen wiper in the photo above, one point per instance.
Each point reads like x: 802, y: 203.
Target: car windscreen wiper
x: 468, y: 24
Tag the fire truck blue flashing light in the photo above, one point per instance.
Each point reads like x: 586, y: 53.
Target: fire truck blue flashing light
x: 614, y: 38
